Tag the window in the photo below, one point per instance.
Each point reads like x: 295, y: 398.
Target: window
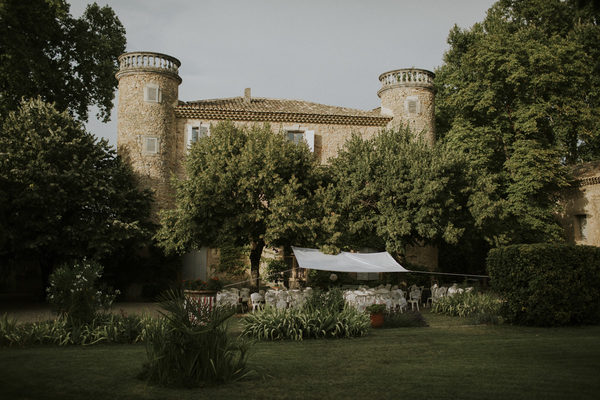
x: 196, y: 132
x: 581, y: 227
x: 297, y: 133
x: 152, y: 93
x: 412, y: 105
x: 151, y: 145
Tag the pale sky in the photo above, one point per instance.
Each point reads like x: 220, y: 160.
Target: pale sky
x: 325, y: 51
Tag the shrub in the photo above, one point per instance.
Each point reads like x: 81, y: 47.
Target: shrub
x: 76, y: 292
x: 107, y: 328
x: 190, y: 347
x: 467, y: 304
x: 547, y: 284
x: 409, y: 319
x: 324, y: 315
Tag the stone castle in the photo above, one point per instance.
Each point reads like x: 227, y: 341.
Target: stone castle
x: 155, y: 128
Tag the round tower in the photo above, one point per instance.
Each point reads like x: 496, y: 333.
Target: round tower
x: 148, y: 94
x: 408, y: 95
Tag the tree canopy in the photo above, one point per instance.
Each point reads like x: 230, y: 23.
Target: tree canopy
x: 63, y: 194
x: 46, y: 52
x: 392, y: 191
x: 519, y: 95
x: 244, y: 187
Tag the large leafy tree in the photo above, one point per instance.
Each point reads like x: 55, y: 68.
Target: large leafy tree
x: 46, y: 52
x: 244, y: 187
x: 519, y: 94
x: 395, y: 190
x: 64, y: 195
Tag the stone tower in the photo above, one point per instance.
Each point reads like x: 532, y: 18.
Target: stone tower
x: 148, y: 94
x: 408, y: 95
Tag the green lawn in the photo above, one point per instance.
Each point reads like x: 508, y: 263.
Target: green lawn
x: 448, y: 360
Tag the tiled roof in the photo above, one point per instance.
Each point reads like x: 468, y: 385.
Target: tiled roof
x: 586, y: 174
x: 278, y: 110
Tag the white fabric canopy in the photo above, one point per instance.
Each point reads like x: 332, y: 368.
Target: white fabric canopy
x: 347, y: 262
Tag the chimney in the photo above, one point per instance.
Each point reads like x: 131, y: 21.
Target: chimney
x: 247, y: 96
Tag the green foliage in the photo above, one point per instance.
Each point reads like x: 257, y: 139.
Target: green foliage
x: 376, y: 308
x: 192, y: 348
x: 106, y: 328
x: 48, y: 53
x: 75, y: 292
x: 199, y: 284
x: 467, y: 304
x: 518, y: 95
x: 232, y: 260
x: 65, y: 195
x: 244, y: 187
x: 408, y: 319
x: 324, y: 315
x: 392, y: 191
x: 547, y: 285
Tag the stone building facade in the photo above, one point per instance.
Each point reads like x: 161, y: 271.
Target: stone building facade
x: 581, y: 205
x: 155, y: 128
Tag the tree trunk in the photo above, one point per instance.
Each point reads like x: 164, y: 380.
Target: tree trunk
x: 256, y: 249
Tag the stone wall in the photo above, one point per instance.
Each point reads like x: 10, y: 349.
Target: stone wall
x: 329, y: 138
x: 400, y: 86
x: 137, y: 120
x: 578, y: 202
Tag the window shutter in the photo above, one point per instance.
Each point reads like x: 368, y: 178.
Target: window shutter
x: 189, y: 135
x: 309, y: 136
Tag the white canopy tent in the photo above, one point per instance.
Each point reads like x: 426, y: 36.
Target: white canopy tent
x: 347, y: 262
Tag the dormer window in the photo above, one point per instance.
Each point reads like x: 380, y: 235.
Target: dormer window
x: 152, y: 93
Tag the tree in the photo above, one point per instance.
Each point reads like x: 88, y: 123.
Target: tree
x: 244, y: 187
x: 46, y: 52
x: 519, y: 95
x: 394, y: 190
x: 64, y: 195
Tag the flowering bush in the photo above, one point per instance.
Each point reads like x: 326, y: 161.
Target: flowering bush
x: 75, y: 292
x: 199, y: 284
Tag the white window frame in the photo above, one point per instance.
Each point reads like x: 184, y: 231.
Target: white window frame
x: 149, y: 139
x: 190, y: 130
x: 149, y: 89
x: 307, y: 135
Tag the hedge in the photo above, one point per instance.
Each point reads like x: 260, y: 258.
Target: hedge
x: 547, y: 284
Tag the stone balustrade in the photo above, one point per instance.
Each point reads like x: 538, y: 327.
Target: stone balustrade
x: 407, y: 77
x: 148, y: 61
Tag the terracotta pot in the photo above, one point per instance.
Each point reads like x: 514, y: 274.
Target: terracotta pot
x: 376, y: 320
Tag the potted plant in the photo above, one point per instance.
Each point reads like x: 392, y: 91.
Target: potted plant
x: 198, y: 288
x: 377, y: 310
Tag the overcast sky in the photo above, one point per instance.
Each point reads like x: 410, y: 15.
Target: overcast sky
x: 326, y: 51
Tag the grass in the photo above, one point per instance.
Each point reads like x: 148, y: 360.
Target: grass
x: 448, y: 360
